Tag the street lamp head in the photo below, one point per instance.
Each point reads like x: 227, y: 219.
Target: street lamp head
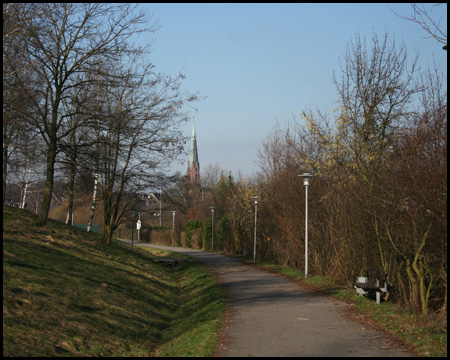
x: 255, y: 198
x: 212, y: 208
x: 306, y: 177
x: 306, y: 181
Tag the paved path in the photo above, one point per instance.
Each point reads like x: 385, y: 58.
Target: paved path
x: 272, y: 316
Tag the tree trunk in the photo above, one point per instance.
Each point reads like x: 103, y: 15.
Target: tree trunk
x: 22, y: 189
x: 45, y: 208
x: 24, y: 193
x: 25, y: 182
x: 94, y: 195
x: 414, y: 286
x: 73, y: 171
x: 107, y: 233
x: 5, y: 166
x: 420, y: 289
x: 424, y: 289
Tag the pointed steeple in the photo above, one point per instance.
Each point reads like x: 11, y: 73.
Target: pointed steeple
x: 193, y: 171
x: 193, y: 155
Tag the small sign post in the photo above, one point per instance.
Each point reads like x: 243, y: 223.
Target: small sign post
x: 138, y: 227
x: 132, y: 227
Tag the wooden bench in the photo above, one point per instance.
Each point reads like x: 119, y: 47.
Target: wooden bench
x: 364, y: 287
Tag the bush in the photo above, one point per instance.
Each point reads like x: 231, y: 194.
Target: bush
x: 190, y: 227
x: 224, y: 234
x: 207, y: 235
x: 162, y: 238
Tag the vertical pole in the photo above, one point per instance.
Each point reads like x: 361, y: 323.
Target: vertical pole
x: 132, y: 226
x: 173, y: 226
x: 212, y: 229
x: 306, y: 231
x: 139, y: 228
x: 254, y: 241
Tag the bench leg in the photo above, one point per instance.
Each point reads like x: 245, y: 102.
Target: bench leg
x: 360, y: 291
x: 378, y: 297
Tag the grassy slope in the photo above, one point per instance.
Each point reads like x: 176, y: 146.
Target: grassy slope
x: 65, y: 294
x: 197, y: 320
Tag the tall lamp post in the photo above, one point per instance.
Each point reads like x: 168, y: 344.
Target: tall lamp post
x: 138, y: 226
x: 306, y: 177
x: 160, y: 204
x: 173, y: 220
x: 255, y: 198
x: 132, y: 226
x: 173, y: 227
x: 212, y: 235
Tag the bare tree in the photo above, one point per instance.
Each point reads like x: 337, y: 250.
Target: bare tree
x: 414, y: 191
x: 380, y: 197
x: 428, y: 22
x: 375, y: 89
x: 139, y: 135
x: 15, y: 104
x: 77, y: 146
x: 61, y: 42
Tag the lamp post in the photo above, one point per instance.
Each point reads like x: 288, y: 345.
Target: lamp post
x: 306, y: 177
x: 138, y: 226
x: 160, y: 203
x: 255, y: 198
x: 173, y: 220
x: 132, y: 225
x: 212, y: 235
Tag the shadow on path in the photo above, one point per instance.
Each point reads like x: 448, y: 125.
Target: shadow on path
x: 271, y: 316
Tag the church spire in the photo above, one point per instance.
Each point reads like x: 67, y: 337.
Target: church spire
x: 193, y: 171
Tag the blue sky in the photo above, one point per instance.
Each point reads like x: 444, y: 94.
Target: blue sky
x: 259, y: 63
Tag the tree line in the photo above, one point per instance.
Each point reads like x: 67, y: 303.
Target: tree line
x: 82, y: 100
x: 378, y: 199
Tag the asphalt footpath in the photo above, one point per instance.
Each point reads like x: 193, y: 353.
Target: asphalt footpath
x: 268, y: 315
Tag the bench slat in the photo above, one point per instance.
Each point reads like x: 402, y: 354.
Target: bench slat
x: 366, y: 286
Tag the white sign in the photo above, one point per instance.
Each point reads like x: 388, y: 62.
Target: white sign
x: 138, y: 224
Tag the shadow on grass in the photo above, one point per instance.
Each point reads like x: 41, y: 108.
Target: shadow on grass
x: 63, y: 297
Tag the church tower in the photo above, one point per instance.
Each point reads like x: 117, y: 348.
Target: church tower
x: 193, y: 171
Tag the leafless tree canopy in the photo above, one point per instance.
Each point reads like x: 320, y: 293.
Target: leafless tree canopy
x: 93, y: 96
x: 378, y: 200
x: 432, y: 24
x: 379, y: 197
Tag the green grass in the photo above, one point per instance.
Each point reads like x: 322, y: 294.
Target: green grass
x: 427, y: 335
x: 66, y: 294
x: 196, y: 322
